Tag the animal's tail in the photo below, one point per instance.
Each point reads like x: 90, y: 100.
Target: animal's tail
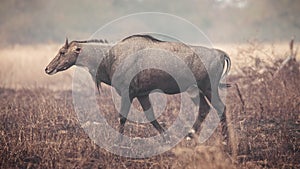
x: 225, y: 72
x: 228, y: 65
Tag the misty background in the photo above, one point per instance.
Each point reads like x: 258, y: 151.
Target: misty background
x: 223, y: 21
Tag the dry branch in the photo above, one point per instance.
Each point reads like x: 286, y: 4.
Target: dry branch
x: 289, y: 59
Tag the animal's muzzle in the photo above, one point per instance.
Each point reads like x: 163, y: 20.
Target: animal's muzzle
x: 50, y: 72
x: 47, y: 70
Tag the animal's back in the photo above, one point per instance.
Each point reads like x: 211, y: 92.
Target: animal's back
x: 137, y: 43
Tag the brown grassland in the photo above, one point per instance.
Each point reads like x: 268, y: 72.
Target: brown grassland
x: 39, y: 127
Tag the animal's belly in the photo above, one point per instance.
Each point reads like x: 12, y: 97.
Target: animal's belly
x: 151, y: 80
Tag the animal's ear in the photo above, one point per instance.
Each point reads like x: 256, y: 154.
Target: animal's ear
x: 66, y: 43
x: 76, y: 49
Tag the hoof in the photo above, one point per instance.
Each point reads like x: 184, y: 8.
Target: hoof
x: 192, y: 131
x: 225, y: 140
x: 188, y: 138
x: 190, y: 134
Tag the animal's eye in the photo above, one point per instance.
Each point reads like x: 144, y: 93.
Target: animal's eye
x: 61, y: 53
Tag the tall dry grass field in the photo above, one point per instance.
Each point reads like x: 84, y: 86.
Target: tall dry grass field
x: 39, y: 127
x: 23, y: 67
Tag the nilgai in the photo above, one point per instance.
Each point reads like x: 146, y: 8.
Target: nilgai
x: 140, y: 64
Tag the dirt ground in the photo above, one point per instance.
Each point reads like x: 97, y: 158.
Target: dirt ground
x: 39, y: 127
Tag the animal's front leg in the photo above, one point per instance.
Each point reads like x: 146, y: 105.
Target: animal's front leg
x: 125, y: 107
x: 148, y: 110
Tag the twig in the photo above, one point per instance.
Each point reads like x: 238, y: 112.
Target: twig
x: 240, y: 96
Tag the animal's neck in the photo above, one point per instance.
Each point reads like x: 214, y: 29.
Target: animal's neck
x: 93, y: 57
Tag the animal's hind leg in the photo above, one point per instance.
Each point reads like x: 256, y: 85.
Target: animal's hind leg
x: 221, y: 109
x: 147, y: 107
x: 202, y: 113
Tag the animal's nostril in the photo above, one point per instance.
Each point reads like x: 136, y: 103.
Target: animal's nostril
x: 46, y: 69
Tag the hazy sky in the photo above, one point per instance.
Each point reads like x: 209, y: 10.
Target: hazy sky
x: 35, y: 21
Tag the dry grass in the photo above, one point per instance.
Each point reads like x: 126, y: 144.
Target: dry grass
x: 267, y: 118
x: 39, y: 127
x: 23, y: 67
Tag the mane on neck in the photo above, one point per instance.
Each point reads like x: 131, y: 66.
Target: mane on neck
x: 91, y: 41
